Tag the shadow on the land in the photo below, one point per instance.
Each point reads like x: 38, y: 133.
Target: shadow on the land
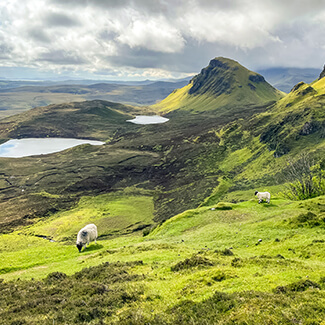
x: 268, y: 205
x: 92, y: 247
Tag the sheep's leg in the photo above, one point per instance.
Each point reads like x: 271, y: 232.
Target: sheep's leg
x: 259, y: 201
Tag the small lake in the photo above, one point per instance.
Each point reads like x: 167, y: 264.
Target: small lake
x: 40, y: 146
x: 144, y: 119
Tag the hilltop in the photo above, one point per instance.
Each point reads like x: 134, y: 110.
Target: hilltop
x: 224, y: 86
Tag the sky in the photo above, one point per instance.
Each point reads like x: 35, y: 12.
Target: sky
x: 156, y: 39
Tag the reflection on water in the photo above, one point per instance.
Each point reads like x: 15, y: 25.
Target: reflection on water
x: 144, y: 119
x: 39, y: 146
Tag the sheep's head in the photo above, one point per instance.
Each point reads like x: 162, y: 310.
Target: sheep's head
x: 256, y: 192
x: 79, y: 246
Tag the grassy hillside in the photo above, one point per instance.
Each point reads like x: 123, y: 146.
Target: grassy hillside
x: 222, y: 86
x: 182, y: 239
x: 242, y: 263
x: 67, y: 120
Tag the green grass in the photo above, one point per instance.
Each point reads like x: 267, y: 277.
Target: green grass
x: 111, y: 212
x: 289, y: 251
x: 195, y: 169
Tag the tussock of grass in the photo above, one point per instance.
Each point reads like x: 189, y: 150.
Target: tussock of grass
x: 193, y: 261
x: 248, y: 307
x: 301, y: 285
x: 308, y: 219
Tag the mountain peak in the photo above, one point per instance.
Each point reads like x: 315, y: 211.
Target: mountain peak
x: 220, y: 62
x: 223, y: 76
x: 223, y: 83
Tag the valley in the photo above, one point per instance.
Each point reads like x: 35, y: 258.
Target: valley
x: 17, y: 97
x: 182, y: 238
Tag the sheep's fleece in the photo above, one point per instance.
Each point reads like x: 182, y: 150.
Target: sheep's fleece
x: 86, y: 235
x: 263, y: 196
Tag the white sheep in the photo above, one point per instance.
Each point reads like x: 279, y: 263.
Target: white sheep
x: 86, y: 235
x: 263, y: 196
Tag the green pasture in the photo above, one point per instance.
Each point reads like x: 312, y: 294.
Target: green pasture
x: 226, y: 247
x: 255, y: 233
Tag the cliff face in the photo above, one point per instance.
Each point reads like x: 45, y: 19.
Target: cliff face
x: 216, y: 79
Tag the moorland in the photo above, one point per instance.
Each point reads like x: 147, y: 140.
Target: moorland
x: 182, y: 238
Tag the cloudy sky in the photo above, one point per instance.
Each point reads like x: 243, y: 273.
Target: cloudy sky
x: 150, y: 39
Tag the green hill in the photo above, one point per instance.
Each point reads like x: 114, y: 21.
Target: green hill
x: 223, y: 86
x: 182, y: 238
x: 67, y: 120
x: 230, y: 263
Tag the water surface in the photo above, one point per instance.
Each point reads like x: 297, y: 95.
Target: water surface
x: 17, y: 148
x: 145, y: 119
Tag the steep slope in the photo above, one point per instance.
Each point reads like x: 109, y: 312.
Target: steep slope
x: 224, y: 85
x: 296, y: 116
x: 257, y: 151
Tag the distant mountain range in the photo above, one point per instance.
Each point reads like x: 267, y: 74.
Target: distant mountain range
x: 19, y: 96
x: 285, y: 79
x: 10, y: 84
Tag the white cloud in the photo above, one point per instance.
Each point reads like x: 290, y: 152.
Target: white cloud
x: 164, y: 35
x: 154, y: 34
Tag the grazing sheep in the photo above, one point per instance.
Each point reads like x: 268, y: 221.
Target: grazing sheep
x: 263, y: 196
x: 86, y: 235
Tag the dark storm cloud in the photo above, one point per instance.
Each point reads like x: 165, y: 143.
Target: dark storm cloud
x: 139, y: 58
x: 5, y: 51
x: 37, y: 34
x: 58, y: 19
x: 194, y: 57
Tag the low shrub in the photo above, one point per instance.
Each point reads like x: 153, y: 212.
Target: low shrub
x: 225, y: 252
x: 301, y: 285
x: 193, y: 261
x: 308, y: 219
x: 89, y: 296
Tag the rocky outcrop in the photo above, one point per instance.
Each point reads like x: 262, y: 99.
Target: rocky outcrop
x: 256, y: 78
x: 297, y: 86
x: 303, y: 89
x: 212, y: 79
